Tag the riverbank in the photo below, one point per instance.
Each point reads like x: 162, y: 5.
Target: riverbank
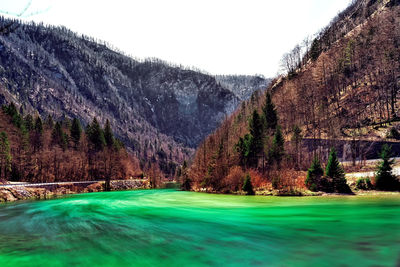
x: 303, y: 193
x: 15, y: 193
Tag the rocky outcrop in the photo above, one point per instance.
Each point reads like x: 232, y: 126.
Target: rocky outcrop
x: 243, y: 86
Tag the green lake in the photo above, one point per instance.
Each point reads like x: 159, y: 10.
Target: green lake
x: 172, y: 228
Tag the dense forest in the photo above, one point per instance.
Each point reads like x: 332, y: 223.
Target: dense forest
x: 33, y: 149
x: 342, y: 85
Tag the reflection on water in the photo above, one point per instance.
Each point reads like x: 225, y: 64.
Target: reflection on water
x: 166, y: 227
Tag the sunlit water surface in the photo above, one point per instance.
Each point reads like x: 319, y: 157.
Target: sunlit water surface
x: 171, y: 228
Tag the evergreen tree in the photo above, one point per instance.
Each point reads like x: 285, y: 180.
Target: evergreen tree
x: 58, y: 136
x: 95, y: 135
x: 186, y: 181
x: 336, y: 173
x: 315, y: 50
x: 384, y: 179
x: 248, y: 186
x: 278, y: 149
x: 243, y: 148
x: 269, y: 113
x: 49, y: 122
x: 29, y: 122
x: 37, y: 135
x: 76, y: 132
x: 38, y: 125
x: 108, y: 135
x: 314, y: 175
x: 5, y: 155
x: 256, y: 141
x: 10, y: 110
x: 16, y: 118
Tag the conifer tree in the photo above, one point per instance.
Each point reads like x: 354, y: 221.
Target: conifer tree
x: 314, y: 175
x: 384, y: 179
x: 336, y: 173
x: 29, y: 122
x: 269, y: 113
x: 58, y: 136
x: 278, y: 149
x: 37, y: 135
x: 49, y: 122
x: 248, y: 186
x: 76, y: 132
x: 243, y: 148
x: 186, y: 181
x: 5, y: 155
x: 108, y: 134
x: 38, y: 125
x: 95, y: 135
x: 256, y: 140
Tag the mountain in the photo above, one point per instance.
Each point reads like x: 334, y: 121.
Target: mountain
x: 341, y: 90
x: 154, y: 107
x: 243, y: 86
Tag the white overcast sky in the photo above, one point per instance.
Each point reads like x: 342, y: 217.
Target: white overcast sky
x: 218, y: 36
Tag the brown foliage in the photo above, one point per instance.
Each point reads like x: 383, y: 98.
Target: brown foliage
x: 257, y: 179
x: 234, y: 180
x: 53, y: 163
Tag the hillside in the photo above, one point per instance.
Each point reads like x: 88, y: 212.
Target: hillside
x: 343, y: 87
x: 157, y: 109
x: 243, y: 86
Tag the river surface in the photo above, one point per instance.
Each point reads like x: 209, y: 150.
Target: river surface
x: 172, y: 228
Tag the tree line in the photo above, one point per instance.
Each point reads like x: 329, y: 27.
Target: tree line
x: 37, y: 150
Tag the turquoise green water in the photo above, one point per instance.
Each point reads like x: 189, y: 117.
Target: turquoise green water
x: 171, y: 228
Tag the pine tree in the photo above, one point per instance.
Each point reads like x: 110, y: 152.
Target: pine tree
x: 247, y: 185
x: 37, y: 135
x: 28, y: 122
x: 256, y: 140
x: 269, y: 113
x: 314, y: 175
x: 76, y: 132
x: 108, y: 135
x: 95, y: 135
x: 336, y: 173
x: 49, y: 122
x: 278, y: 149
x: 5, y: 155
x: 38, y: 125
x: 186, y: 181
x: 315, y: 50
x: 58, y: 136
x: 243, y: 149
x: 384, y: 179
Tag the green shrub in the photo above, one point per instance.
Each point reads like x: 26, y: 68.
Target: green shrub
x: 364, y: 184
x: 248, y: 186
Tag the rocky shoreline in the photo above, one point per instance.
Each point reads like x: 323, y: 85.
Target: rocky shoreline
x: 16, y: 193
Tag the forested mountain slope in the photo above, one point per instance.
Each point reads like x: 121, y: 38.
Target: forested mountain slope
x: 343, y: 86
x: 157, y: 109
